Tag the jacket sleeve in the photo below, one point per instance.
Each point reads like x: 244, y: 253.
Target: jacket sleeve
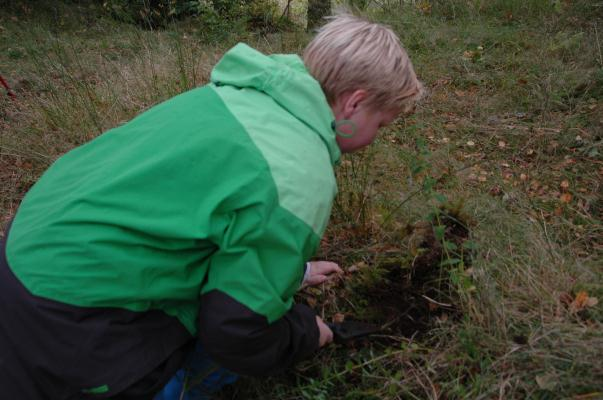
x: 247, y: 320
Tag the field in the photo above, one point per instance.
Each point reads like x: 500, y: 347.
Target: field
x: 471, y: 231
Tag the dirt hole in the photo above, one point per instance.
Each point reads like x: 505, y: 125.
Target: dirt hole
x: 407, y: 292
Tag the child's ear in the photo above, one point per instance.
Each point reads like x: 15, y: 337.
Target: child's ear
x: 353, y: 101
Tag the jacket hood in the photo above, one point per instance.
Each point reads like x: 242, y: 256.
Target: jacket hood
x: 284, y: 78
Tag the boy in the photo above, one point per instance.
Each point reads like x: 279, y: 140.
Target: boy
x: 193, y: 220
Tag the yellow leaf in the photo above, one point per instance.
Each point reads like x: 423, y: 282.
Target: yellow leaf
x: 338, y: 318
x: 564, y: 184
x: 581, y: 298
x: 582, y: 301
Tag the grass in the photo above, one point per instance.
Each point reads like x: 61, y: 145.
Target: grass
x: 512, y: 127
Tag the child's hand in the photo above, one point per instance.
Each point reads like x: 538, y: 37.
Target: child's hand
x: 326, y: 334
x: 319, y: 272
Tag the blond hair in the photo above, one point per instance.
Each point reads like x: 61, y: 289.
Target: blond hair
x: 349, y: 53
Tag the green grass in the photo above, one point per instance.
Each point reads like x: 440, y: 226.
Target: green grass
x: 512, y: 125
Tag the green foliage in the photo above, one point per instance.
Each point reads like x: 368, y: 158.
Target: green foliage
x: 505, y: 10
x: 151, y: 13
x: 216, y: 17
x: 317, y: 10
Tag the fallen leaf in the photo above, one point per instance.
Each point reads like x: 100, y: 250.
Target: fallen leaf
x: 495, y: 191
x: 558, y: 211
x: 357, y: 266
x: 582, y: 301
x: 546, y: 381
x: 470, y: 143
x: 566, y: 299
x: 442, y: 318
x: 502, y: 144
x: 564, y: 184
x: 338, y: 318
x: 523, y: 177
x: 565, y: 198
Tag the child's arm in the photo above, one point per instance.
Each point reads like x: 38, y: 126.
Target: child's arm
x: 247, y: 320
x: 243, y: 341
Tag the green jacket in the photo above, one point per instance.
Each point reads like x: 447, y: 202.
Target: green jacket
x: 224, y: 189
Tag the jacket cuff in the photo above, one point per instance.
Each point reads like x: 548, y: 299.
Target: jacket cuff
x: 244, y: 342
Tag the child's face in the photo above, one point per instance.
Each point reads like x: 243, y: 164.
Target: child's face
x: 367, y: 121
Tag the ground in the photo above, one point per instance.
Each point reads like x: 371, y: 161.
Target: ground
x: 470, y: 231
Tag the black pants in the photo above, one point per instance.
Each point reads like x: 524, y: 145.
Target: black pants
x: 53, y: 351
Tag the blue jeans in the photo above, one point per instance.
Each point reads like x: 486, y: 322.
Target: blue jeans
x: 199, y: 378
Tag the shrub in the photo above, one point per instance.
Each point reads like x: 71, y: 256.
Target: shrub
x: 214, y: 15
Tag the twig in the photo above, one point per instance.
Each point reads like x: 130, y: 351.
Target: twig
x: 286, y: 10
x: 27, y: 153
x: 8, y: 91
x: 429, y: 299
x: 399, y: 205
x: 598, y: 46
